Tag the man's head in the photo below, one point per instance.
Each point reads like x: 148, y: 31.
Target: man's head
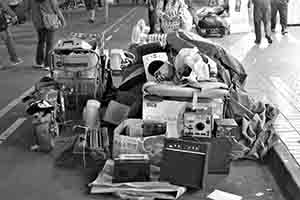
x: 162, y: 71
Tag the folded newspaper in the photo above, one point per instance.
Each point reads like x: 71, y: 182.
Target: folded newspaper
x: 135, y: 190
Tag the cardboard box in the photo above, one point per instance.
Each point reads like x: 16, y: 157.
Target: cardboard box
x: 116, y: 113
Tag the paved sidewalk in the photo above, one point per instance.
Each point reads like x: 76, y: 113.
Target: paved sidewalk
x: 273, y: 76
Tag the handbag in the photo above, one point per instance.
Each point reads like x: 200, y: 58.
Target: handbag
x: 3, y: 21
x: 51, y: 20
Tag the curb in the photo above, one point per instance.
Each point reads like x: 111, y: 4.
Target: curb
x: 285, y: 170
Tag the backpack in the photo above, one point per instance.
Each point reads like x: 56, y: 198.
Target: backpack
x: 3, y: 21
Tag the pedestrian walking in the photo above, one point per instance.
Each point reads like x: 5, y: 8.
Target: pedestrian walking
x: 91, y: 8
x: 280, y: 6
x: 6, y: 35
x: 262, y: 14
x: 42, y: 12
x: 172, y: 15
x: 151, y: 4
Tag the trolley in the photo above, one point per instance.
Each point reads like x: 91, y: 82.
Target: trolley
x: 81, y: 68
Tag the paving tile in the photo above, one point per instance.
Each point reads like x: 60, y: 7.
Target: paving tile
x: 298, y: 161
x: 294, y: 148
x: 284, y: 130
x: 292, y: 141
x: 288, y: 137
x: 293, y: 116
x: 295, y: 121
x: 291, y: 134
x: 294, y: 152
x: 296, y: 156
x: 281, y: 126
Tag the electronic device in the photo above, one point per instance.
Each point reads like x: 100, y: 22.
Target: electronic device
x: 185, y: 162
x: 152, y: 62
x: 151, y: 128
x: 131, y: 168
x: 219, y: 157
x: 72, y: 43
x: 198, y: 123
x: 224, y: 127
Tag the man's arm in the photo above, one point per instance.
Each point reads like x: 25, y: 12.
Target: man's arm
x: 7, y: 9
x: 58, y: 12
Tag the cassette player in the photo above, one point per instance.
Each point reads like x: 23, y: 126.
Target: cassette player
x: 131, y: 168
x: 225, y: 127
x: 198, y: 122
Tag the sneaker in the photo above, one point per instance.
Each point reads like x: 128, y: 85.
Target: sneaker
x: 270, y: 41
x: 16, y: 62
x: 91, y: 21
x: 37, y: 66
x: 46, y: 68
x: 35, y: 147
x: 284, y: 31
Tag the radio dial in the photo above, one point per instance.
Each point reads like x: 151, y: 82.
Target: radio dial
x: 200, y: 126
x: 207, y: 121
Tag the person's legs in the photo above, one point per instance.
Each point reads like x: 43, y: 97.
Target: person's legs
x: 151, y: 15
x: 40, y: 50
x: 11, y: 47
x: 274, y: 10
x: 92, y: 15
x: 267, y: 24
x: 100, y: 3
x: 49, y: 46
x: 283, y: 12
x: 257, y: 25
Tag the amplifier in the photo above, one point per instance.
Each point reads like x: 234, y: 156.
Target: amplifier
x: 185, y: 162
x: 219, y: 156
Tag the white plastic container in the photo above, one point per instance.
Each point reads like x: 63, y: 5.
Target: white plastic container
x: 116, y: 59
x: 91, y: 113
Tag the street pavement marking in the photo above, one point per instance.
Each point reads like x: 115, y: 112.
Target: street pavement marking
x: 10, y: 130
x: 119, y: 20
x: 108, y: 38
x: 15, y: 102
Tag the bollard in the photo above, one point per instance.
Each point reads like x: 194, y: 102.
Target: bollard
x: 107, y: 2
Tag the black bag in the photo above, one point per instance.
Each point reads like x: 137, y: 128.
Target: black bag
x: 212, y: 21
x: 3, y: 21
